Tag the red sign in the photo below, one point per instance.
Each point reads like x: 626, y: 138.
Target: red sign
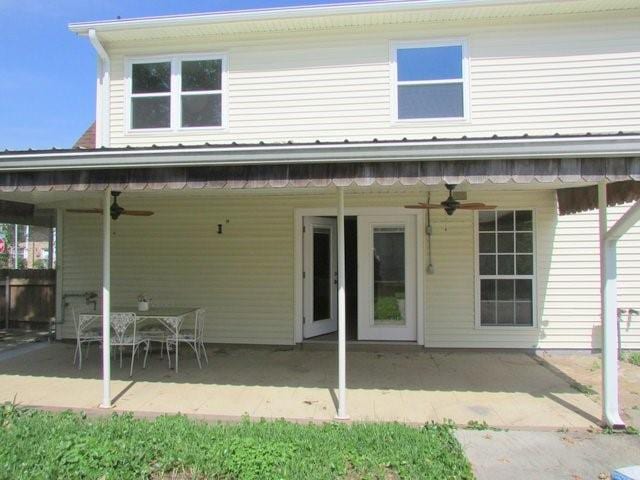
x: 3, y: 246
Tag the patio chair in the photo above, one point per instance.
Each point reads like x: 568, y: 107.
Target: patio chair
x: 87, y: 327
x: 124, y: 334
x: 192, y: 337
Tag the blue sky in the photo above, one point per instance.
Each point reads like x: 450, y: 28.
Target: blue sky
x: 47, y: 78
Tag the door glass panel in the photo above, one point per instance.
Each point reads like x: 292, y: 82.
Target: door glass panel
x: 321, y: 274
x: 388, y: 276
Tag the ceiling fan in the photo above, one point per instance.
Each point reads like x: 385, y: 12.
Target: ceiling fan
x: 115, y: 210
x: 450, y: 205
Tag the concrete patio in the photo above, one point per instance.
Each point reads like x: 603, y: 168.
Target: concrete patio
x: 510, y: 390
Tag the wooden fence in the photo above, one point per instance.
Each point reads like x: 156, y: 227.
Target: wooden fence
x: 27, y: 297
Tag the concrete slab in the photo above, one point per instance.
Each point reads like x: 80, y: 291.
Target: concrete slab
x: 547, y: 455
x: 507, y: 390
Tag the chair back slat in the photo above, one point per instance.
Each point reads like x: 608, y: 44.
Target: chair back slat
x: 123, y: 324
x: 200, y: 320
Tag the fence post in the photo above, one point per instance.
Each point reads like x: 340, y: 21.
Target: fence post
x: 7, y: 301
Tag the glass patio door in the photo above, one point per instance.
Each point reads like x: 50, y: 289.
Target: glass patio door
x: 387, y: 278
x: 320, y: 250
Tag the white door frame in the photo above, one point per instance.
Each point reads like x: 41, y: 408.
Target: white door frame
x: 312, y: 327
x: 299, y: 213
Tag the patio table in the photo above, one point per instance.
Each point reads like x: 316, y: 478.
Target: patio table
x: 170, y: 317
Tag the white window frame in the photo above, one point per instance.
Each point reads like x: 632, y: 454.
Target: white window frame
x: 395, y: 83
x: 175, y: 93
x: 533, y: 278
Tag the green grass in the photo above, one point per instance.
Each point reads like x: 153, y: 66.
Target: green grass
x: 38, y: 445
x: 386, y: 308
x: 632, y: 357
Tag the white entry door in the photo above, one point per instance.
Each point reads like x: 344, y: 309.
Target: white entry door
x: 320, y: 276
x: 387, y: 278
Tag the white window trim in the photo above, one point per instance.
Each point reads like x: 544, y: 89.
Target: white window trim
x: 394, y: 46
x: 534, y: 277
x: 175, y: 92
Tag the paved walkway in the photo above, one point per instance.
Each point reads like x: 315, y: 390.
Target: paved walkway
x: 548, y: 455
x: 510, y: 390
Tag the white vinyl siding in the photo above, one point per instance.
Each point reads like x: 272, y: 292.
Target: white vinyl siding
x: 244, y: 276
x: 572, y: 74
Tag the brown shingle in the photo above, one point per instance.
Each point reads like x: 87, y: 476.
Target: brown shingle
x: 88, y: 138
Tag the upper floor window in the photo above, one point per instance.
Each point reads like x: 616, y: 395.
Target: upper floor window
x: 430, y: 81
x: 177, y: 92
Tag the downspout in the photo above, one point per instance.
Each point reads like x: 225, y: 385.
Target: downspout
x: 102, y: 91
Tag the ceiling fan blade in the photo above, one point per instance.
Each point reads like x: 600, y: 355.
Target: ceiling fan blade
x: 424, y: 206
x: 84, y: 210
x: 138, y: 213
x: 476, y: 206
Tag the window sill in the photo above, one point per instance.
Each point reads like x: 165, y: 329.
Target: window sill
x: 429, y: 121
x: 507, y: 328
x: 164, y: 131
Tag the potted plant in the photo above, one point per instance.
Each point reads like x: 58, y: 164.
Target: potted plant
x: 143, y: 303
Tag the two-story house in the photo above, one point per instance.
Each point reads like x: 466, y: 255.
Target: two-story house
x: 420, y: 171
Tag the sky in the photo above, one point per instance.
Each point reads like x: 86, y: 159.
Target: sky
x: 47, y: 74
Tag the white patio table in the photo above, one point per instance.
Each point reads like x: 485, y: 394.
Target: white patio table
x: 171, y: 318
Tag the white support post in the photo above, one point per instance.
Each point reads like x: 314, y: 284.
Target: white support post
x: 106, y: 300
x: 342, y: 313
x: 608, y: 294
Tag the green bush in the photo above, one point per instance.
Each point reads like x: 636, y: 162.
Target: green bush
x: 37, y: 445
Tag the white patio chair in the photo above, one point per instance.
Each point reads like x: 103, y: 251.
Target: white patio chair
x: 124, y: 334
x: 87, y: 327
x: 192, y: 337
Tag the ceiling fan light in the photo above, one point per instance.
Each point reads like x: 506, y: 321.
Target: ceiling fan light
x: 450, y: 209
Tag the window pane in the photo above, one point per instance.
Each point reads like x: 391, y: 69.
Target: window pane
x: 487, y: 264
x: 505, y: 221
x: 487, y: 289
x: 524, y: 290
x: 151, y: 77
x: 505, y: 313
x: 487, y: 313
x: 524, y: 220
x: 524, y: 314
x: 150, y: 112
x: 322, y: 275
x: 524, y: 242
x: 487, y: 221
x: 505, y: 265
x: 201, y: 110
x: 524, y: 265
x: 430, y: 63
x: 388, y: 275
x: 201, y: 75
x: 505, y: 242
x: 430, y: 101
x: 505, y: 289
x: 487, y: 243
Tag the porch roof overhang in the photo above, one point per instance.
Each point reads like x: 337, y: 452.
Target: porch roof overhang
x: 600, y: 146
x: 560, y: 161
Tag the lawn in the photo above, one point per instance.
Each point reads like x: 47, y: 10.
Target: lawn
x: 38, y: 445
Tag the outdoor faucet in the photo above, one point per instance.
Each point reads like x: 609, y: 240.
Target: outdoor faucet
x: 91, y: 298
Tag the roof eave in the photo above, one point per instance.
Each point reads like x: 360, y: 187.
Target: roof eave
x: 461, y: 150
x: 286, y: 13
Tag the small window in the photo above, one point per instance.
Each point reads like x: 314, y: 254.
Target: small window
x: 430, y: 82
x: 180, y: 92
x: 506, y: 267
